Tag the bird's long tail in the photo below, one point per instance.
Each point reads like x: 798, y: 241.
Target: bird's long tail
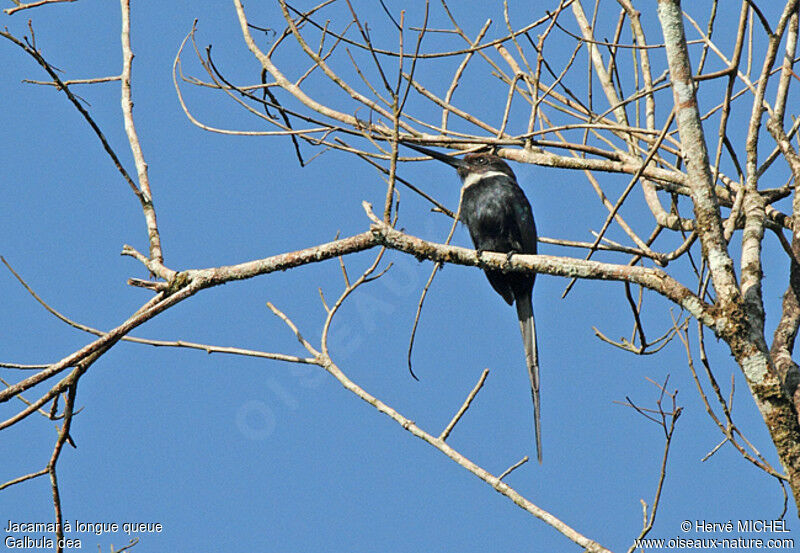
x: 528, y: 328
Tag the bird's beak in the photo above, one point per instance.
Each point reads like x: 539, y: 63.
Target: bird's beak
x: 451, y: 161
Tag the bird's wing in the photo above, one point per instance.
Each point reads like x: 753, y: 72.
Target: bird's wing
x: 526, y: 227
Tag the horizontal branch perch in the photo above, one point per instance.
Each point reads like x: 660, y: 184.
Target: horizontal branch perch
x: 654, y: 279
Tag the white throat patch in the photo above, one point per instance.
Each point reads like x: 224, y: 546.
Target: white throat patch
x: 474, y: 178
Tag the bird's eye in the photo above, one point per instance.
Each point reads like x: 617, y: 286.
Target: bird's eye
x: 482, y: 160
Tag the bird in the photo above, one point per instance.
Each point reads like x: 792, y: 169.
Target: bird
x: 499, y: 218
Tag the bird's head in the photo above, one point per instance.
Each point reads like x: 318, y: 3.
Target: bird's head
x: 480, y: 163
x: 471, y: 164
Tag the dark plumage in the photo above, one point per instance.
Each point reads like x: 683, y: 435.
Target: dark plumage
x: 500, y: 219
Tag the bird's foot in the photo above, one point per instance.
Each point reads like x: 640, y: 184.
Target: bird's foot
x: 511, y: 254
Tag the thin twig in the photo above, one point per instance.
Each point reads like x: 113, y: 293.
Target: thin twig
x: 513, y: 467
x: 467, y: 402
x: 20, y: 7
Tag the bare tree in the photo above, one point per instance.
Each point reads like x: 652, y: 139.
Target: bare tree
x: 622, y: 106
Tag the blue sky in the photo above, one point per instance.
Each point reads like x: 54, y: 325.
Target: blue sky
x: 231, y: 453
